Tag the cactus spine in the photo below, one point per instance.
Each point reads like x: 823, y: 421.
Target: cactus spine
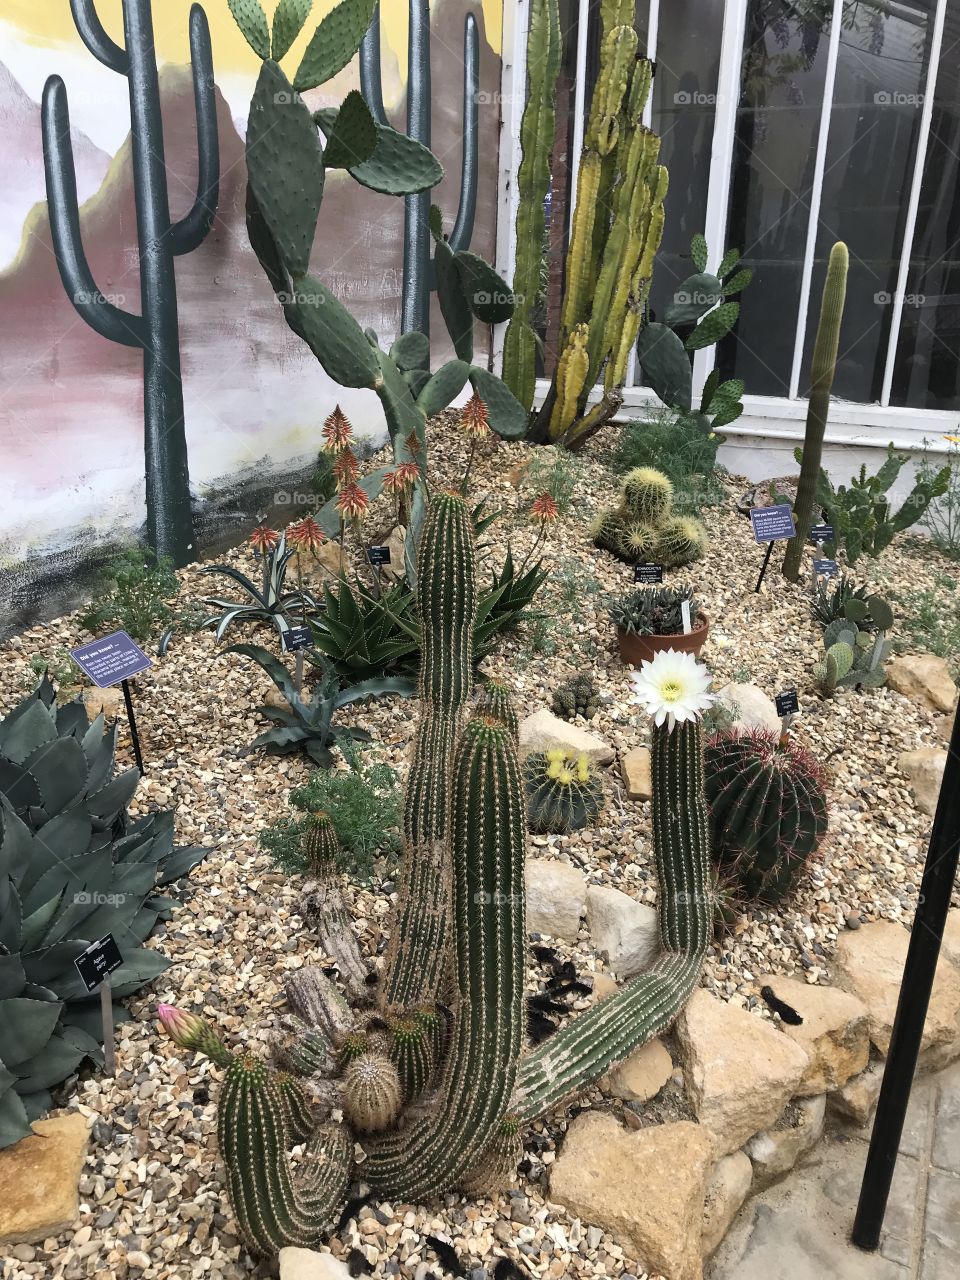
x: 821, y: 384
x: 415, y: 308
x: 768, y: 809
x: 537, y: 130
x: 155, y: 331
x: 563, y: 794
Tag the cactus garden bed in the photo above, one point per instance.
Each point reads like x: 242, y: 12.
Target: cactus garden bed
x: 152, y: 1201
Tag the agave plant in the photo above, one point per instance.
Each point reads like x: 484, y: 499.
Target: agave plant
x: 271, y: 604
x: 365, y: 634
x: 306, y: 723
x: 506, y: 602
x: 73, y: 867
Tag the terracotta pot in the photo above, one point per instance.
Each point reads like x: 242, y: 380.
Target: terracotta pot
x: 636, y: 649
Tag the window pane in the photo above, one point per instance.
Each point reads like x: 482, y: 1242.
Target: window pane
x: 778, y: 123
x: 871, y: 152
x: 927, y: 371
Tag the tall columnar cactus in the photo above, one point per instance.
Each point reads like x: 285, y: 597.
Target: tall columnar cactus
x: 821, y: 384
x: 460, y: 935
x: 415, y: 309
x: 287, y: 164
x: 617, y: 228
x: 161, y: 241
x: 768, y: 809
x: 544, y: 53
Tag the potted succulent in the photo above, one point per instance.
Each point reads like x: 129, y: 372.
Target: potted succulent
x: 651, y: 619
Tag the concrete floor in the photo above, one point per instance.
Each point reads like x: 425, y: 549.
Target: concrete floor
x: 800, y: 1228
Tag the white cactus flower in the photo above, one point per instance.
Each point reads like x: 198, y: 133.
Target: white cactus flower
x: 673, y: 688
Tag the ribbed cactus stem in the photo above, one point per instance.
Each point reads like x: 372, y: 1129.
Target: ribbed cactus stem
x: 260, y: 1116
x: 488, y: 842
x: 321, y: 847
x: 447, y: 600
x: 581, y: 1052
x: 537, y: 129
x: 821, y: 385
x: 496, y: 700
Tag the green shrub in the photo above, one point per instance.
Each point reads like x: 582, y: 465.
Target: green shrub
x: 682, y: 449
x: 942, y: 517
x: 363, y: 804
x: 137, y: 590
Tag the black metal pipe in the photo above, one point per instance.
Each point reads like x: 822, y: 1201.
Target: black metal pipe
x: 766, y: 561
x: 132, y: 720
x: 936, y: 888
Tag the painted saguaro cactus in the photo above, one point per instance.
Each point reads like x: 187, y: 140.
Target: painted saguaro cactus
x: 156, y: 330
x: 436, y: 1083
x: 417, y: 277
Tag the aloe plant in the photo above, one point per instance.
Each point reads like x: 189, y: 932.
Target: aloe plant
x: 73, y: 867
x: 307, y: 723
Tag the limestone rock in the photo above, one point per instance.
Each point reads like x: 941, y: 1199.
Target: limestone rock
x: 304, y: 1264
x: 925, y: 678
x: 645, y: 1187
x: 870, y: 963
x: 835, y: 1033
x: 38, y: 1180
x: 556, y: 897
x: 635, y: 768
x: 624, y: 931
x: 857, y: 1100
x: 109, y: 701
x: 739, y: 1069
x: 727, y: 1189
x: 604, y: 985
x: 397, y: 542
x: 543, y: 731
x: 951, y: 937
x: 753, y: 708
x: 775, y: 1152
x: 642, y: 1075
x: 924, y: 768
x: 326, y: 564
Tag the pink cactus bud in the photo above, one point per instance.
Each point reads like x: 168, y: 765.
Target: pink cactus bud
x: 182, y: 1028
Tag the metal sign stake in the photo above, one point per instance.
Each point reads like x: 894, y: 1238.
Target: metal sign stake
x: 132, y: 721
x: 109, y: 1048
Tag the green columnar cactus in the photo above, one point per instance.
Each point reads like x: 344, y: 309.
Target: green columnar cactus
x: 415, y: 308
x: 587, y: 1047
x: 768, y: 809
x: 412, y: 1053
x: 544, y: 52
x: 155, y: 331
x: 321, y: 847
x: 563, y: 793
x: 617, y: 228
x: 823, y: 373
x: 495, y: 700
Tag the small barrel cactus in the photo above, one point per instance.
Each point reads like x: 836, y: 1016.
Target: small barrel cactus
x: 647, y: 495
x: 495, y: 700
x: 577, y: 697
x: 321, y: 847
x: 412, y: 1053
x: 768, y: 810
x: 563, y: 793
x: 372, y: 1094
x: 680, y: 541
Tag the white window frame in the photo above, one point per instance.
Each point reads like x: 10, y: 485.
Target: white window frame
x: 768, y: 417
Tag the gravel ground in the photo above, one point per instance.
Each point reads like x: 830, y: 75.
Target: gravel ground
x: 152, y: 1202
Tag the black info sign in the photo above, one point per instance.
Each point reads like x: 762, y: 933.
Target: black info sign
x: 96, y: 964
x: 650, y: 574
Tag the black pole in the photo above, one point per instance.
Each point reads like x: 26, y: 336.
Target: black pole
x: 132, y: 719
x: 936, y: 887
x: 766, y: 561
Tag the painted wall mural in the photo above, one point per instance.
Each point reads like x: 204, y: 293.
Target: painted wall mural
x: 72, y: 405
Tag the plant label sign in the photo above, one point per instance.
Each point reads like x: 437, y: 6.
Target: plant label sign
x: 111, y: 660
x: 378, y: 556
x: 821, y: 533
x: 649, y: 574
x: 825, y: 569
x: 685, y: 614
x: 297, y: 638
x: 773, y: 524
x: 788, y: 704
x: 96, y: 964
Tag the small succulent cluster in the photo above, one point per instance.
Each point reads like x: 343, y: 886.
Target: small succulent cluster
x: 856, y: 646
x: 73, y: 867
x: 644, y: 526
x: 768, y: 810
x: 579, y: 696
x: 655, y: 611
x: 563, y: 793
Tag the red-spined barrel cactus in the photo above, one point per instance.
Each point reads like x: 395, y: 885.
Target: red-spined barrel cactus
x: 768, y: 810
